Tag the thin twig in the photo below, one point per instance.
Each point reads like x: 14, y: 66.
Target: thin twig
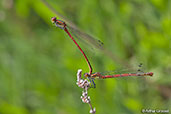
x: 85, y: 84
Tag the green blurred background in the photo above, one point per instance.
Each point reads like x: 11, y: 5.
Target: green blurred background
x: 39, y: 62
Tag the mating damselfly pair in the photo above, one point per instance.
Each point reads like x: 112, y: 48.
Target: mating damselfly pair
x: 90, y: 75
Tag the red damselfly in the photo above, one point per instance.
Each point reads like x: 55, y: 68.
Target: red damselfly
x: 99, y: 75
x: 74, y: 31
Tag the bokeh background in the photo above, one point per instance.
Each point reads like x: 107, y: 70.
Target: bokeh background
x: 39, y: 62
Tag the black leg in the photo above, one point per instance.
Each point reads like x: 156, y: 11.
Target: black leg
x: 92, y: 83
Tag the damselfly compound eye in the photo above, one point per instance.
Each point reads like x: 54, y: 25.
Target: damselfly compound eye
x: 53, y: 19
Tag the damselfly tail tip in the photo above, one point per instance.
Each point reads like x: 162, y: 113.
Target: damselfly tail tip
x: 150, y: 73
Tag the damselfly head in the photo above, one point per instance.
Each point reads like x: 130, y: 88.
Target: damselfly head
x: 86, y: 75
x: 53, y: 19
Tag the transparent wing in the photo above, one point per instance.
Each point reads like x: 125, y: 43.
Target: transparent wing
x: 138, y: 69
x: 86, y: 38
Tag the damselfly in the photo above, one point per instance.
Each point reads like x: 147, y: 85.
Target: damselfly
x: 78, y: 33
x: 99, y: 75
